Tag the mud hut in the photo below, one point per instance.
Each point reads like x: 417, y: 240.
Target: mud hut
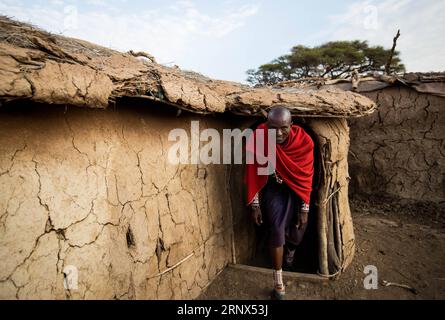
x: 403, y: 154
x: 91, y: 208
x: 399, y: 151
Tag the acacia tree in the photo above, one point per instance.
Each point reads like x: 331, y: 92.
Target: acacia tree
x: 336, y: 59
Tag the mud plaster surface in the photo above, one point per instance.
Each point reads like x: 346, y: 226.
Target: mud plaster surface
x: 92, y: 189
x: 399, y: 150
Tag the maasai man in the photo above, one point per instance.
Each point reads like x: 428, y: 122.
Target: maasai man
x: 282, y: 198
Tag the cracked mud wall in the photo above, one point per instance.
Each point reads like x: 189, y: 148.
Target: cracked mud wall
x: 399, y: 150
x: 92, y: 189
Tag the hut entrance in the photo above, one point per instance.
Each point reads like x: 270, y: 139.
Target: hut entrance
x: 251, y: 246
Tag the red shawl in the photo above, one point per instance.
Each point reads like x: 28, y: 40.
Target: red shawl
x: 294, y: 164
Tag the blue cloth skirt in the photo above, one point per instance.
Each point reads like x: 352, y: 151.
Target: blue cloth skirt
x: 280, y: 207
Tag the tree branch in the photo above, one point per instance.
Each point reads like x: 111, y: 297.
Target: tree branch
x: 394, y: 43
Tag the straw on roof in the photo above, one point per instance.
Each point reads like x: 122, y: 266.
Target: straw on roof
x: 48, y: 68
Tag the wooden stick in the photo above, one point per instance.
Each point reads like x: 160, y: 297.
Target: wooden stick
x: 334, y: 192
x: 338, y: 238
x: 322, y: 224
x: 288, y: 274
x: 228, y: 173
x: 333, y: 260
x: 173, y: 267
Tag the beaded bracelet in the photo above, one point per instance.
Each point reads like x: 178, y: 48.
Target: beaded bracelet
x: 255, y: 201
x: 304, y: 207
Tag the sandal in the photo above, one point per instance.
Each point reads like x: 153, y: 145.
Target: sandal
x: 278, y: 294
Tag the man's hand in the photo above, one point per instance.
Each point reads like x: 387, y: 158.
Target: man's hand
x: 256, y: 215
x: 302, y: 219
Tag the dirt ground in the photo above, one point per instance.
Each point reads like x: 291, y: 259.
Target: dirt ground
x: 404, y: 240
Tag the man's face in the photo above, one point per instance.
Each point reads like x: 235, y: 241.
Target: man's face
x: 282, y: 126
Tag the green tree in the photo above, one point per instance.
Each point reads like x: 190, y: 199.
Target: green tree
x: 335, y: 59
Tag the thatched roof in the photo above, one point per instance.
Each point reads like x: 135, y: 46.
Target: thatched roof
x: 48, y: 68
x: 424, y: 82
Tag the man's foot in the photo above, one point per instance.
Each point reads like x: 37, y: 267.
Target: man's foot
x: 278, y: 293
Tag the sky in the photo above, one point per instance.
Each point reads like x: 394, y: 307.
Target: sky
x: 222, y: 39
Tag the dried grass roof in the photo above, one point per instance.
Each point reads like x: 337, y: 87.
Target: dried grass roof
x: 424, y: 82
x: 48, y: 68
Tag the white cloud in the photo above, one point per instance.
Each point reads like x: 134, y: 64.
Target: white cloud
x: 97, y: 2
x: 56, y: 2
x: 421, y: 24
x: 165, y: 32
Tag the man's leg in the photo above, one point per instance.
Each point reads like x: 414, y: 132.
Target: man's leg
x: 277, y: 257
